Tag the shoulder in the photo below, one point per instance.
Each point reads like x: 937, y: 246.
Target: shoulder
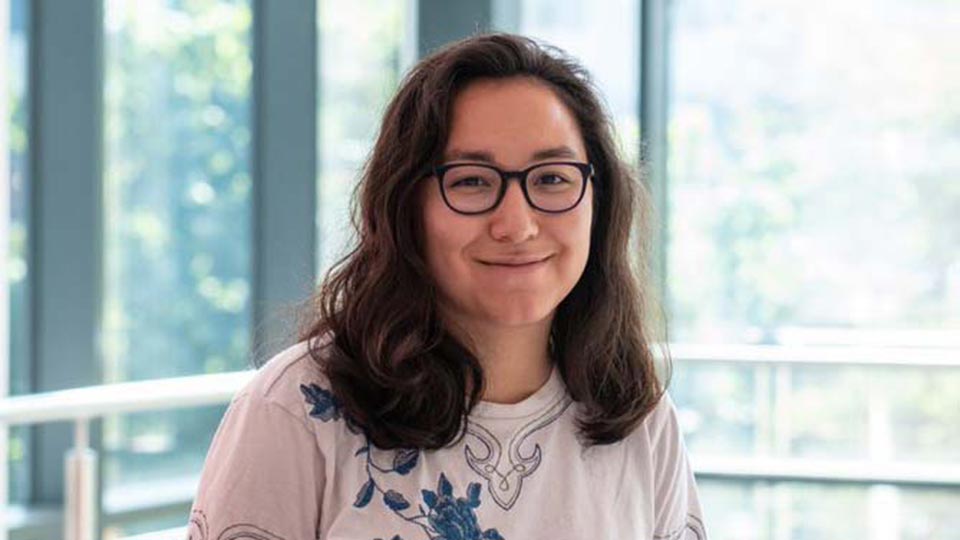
x: 659, y: 429
x: 288, y: 379
x: 663, y: 416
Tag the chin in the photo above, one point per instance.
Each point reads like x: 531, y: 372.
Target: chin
x: 517, y: 315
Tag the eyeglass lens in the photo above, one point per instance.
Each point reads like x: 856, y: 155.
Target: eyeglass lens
x: 474, y: 188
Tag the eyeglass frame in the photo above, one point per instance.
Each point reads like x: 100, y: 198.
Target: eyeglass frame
x: 586, y: 169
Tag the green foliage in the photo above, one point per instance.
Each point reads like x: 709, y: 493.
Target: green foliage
x: 178, y: 213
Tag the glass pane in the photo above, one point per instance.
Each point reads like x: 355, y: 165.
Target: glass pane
x: 178, y: 217
x: 814, y: 175
x: 15, y: 144
x: 801, y: 511
x: 603, y: 40
x: 167, y: 497
x: 905, y: 414
x: 364, y: 47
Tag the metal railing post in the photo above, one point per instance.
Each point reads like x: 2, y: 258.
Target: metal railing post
x: 80, y: 495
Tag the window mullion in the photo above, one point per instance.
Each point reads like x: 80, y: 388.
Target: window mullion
x: 285, y: 164
x: 442, y: 21
x: 66, y: 218
x: 653, y: 107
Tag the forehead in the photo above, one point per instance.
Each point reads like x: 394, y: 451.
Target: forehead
x: 513, y: 121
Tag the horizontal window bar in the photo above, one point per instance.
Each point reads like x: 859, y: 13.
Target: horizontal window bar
x: 828, y: 471
x: 918, y: 357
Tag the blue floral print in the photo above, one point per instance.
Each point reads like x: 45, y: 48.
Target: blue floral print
x: 326, y: 406
x: 445, y: 516
x: 453, y: 518
x: 450, y: 518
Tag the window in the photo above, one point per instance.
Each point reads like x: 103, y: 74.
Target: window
x: 364, y: 48
x: 604, y: 40
x: 815, y: 175
x: 177, y: 225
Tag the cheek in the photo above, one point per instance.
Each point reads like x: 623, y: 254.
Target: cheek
x: 444, y: 239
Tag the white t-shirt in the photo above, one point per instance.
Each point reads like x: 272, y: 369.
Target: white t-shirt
x: 284, y: 464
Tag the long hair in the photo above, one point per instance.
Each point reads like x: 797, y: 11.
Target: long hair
x: 373, y: 323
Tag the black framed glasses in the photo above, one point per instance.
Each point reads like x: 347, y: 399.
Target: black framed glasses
x: 476, y: 188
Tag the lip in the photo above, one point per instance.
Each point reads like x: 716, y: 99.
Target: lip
x: 517, y: 262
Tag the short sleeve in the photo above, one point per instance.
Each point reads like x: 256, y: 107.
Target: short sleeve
x: 263, y: 476
x: 678, y: 515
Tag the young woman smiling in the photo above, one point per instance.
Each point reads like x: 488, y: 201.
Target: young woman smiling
x: 480, y: 365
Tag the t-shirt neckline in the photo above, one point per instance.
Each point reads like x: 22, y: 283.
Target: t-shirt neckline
x: 549, y: 392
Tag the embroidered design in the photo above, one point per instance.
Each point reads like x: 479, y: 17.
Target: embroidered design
x: 445, y: 517
x: 326, y: 406
x: 505, y: 473
x: 694, y: 524
x: 450, y: 518
x: 246, y: 531
x: 197, y: 529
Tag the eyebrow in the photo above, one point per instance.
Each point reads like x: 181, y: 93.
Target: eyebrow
x: 487, y: 157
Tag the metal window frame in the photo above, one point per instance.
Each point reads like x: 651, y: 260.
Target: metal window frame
x: 66, y: 224
x: 652, y: 104
x: 442, y: 21
x: 285, y: 164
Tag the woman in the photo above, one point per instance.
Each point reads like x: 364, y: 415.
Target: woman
x: 478, y: 366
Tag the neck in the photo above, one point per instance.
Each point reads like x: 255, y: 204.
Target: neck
x: 515, y: 359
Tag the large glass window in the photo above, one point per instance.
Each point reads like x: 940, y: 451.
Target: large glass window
x: 177, y: 242
x: 814, y: 151
x: 14, y: 144
x: 364, y: 47
x: 604, y: 39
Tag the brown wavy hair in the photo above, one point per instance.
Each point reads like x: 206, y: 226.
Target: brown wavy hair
x: 397, y: 372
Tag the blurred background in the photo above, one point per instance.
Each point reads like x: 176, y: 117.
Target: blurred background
x: 178, y: 171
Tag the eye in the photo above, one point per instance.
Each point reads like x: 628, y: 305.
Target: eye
x: 471, y: 181
x: 551, y: 179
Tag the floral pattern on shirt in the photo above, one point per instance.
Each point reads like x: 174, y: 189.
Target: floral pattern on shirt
x: 445, y: 516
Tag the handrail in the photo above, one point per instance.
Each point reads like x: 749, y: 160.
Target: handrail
x: 102, y: 400
x: 81, y: 405
x: 842, y: 471
x: 852, y: 356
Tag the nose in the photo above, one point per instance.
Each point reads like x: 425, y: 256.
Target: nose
x: 514, y: 220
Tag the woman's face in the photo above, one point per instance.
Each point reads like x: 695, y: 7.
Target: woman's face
x: 511, y: 124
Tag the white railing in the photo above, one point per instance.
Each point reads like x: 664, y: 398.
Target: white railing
x: 915, y: 357
x: 82, y: 405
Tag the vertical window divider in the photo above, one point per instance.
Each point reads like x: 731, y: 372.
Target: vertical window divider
x: 285, y: 165
x: 653, y: 103
x: 442, y: 21
x: 66, y: 223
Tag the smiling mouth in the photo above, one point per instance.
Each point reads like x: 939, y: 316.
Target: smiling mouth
x: 516, y: 264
